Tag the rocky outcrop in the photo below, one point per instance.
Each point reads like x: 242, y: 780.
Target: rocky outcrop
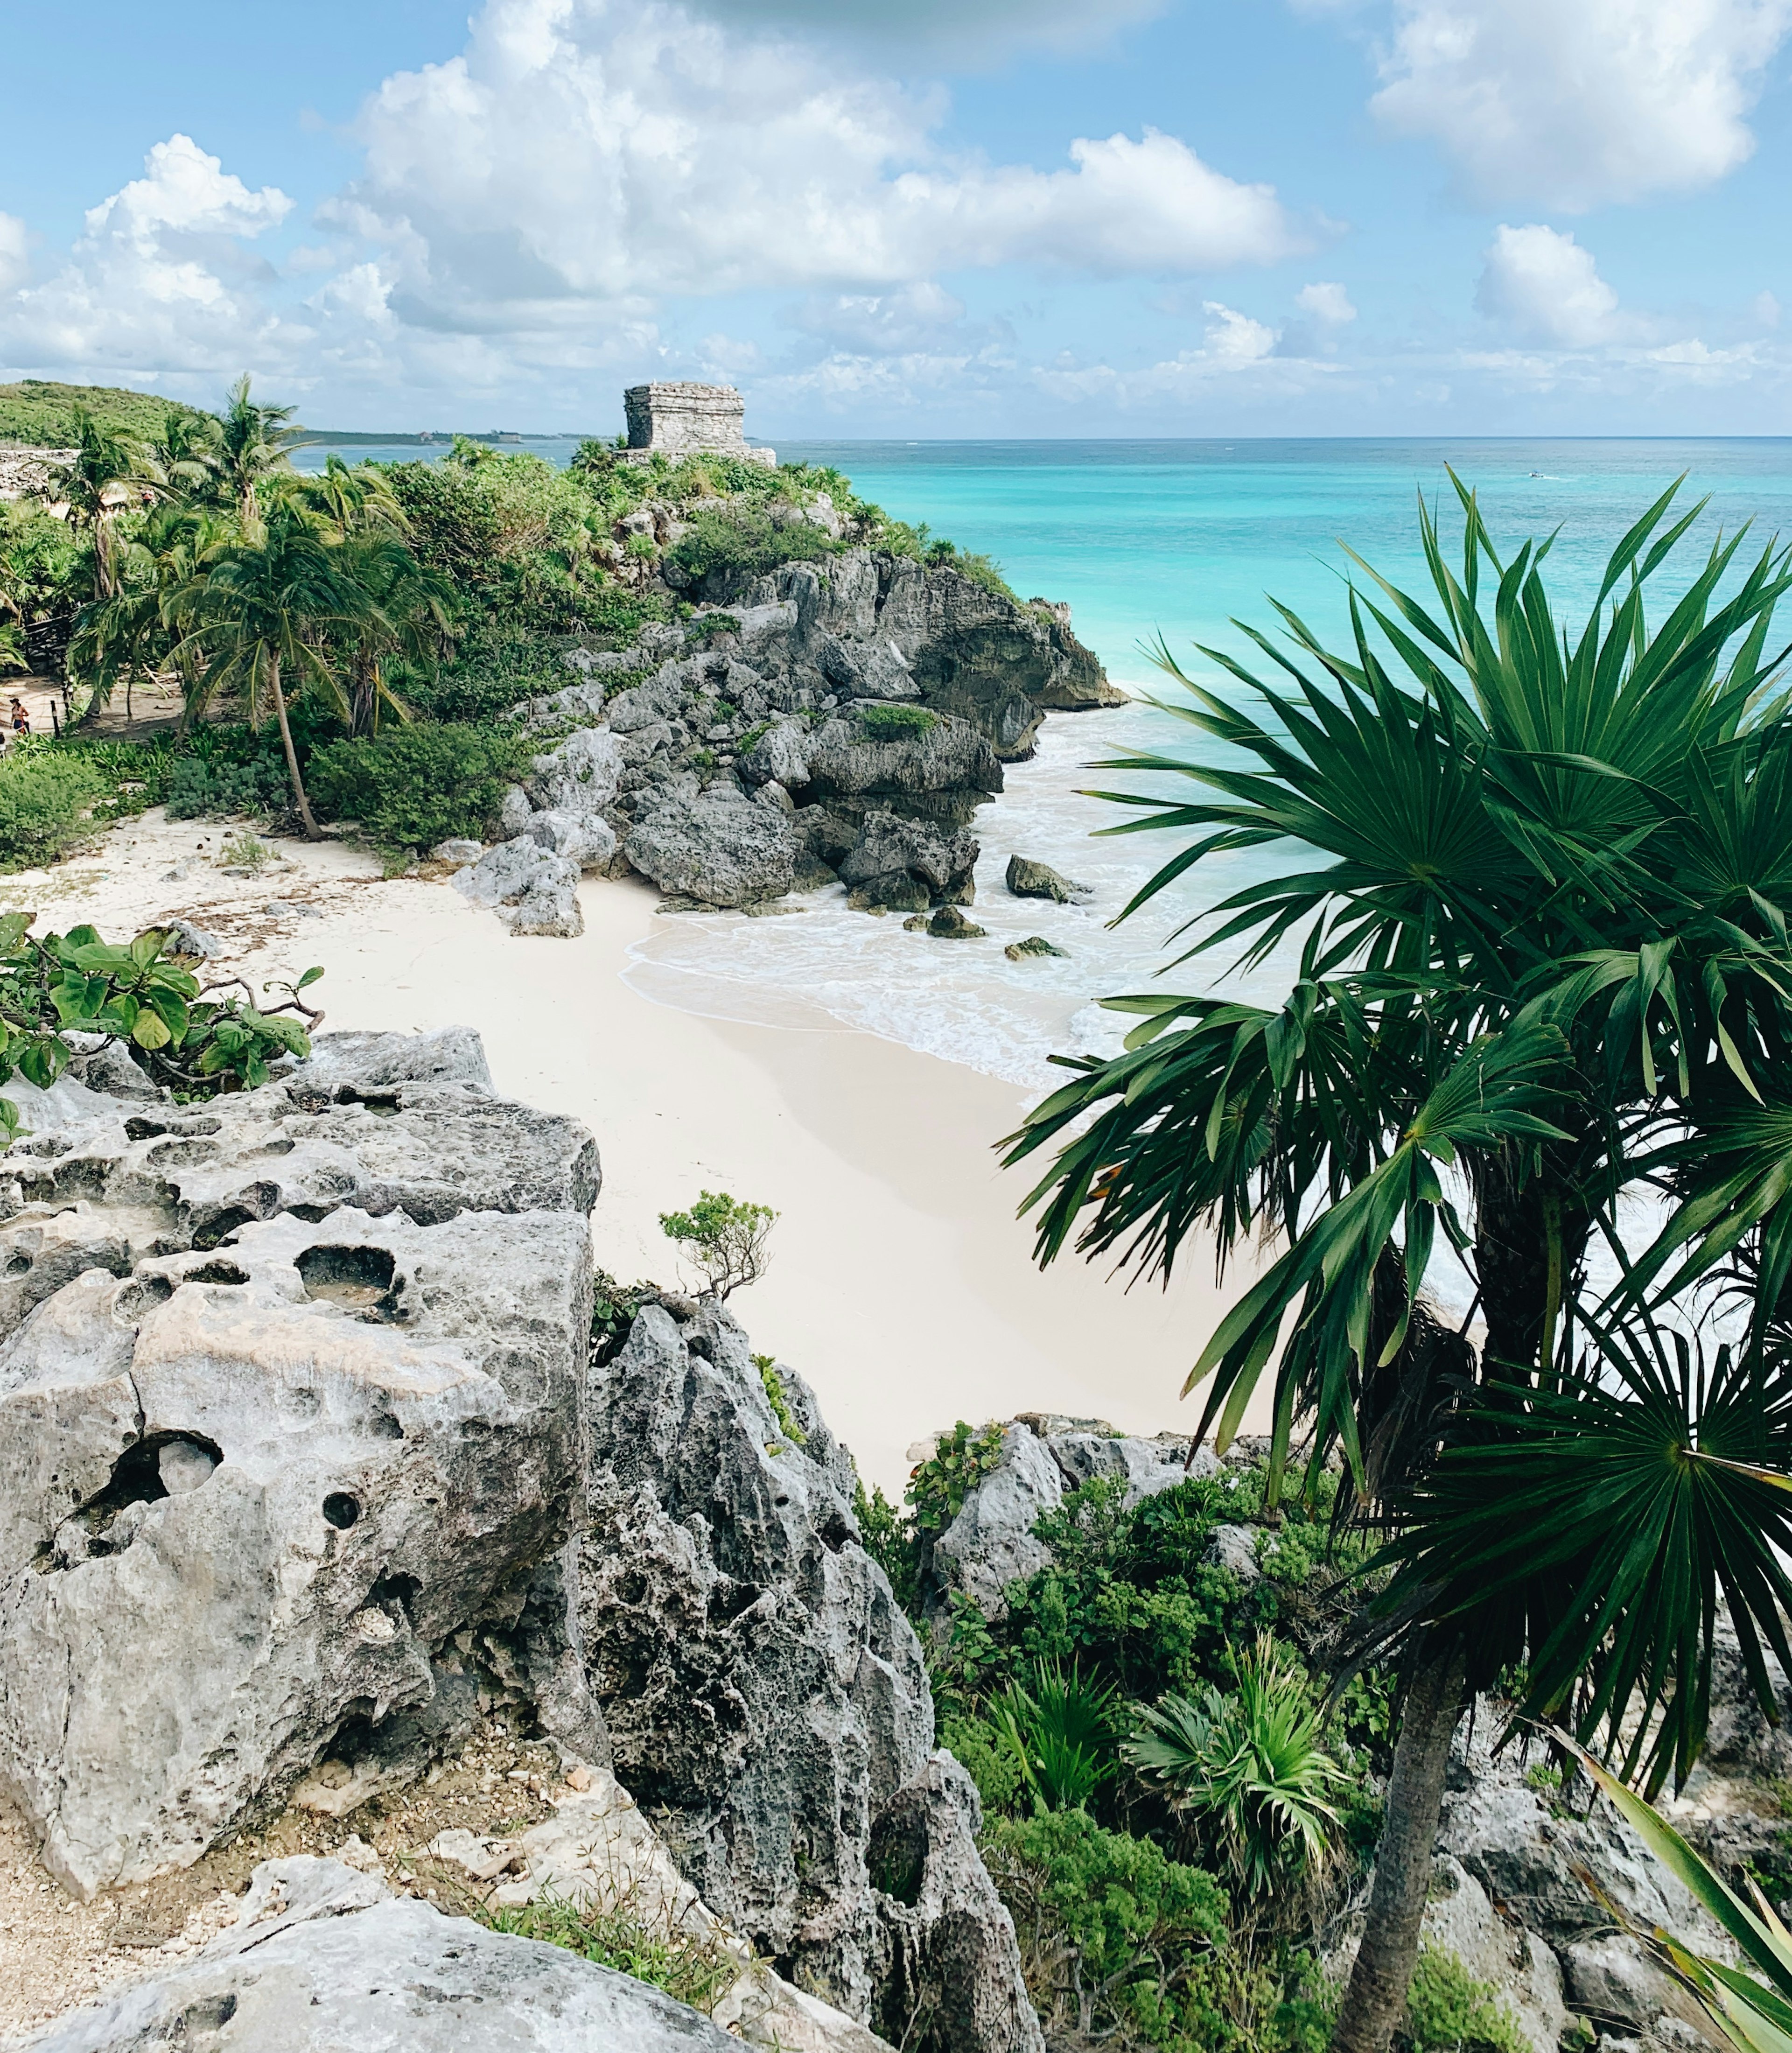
x: 789, y: 691
x: 765, y: 1697
x: 718, y: 848
x: 531, y: 890
x: 321, y: 1957
x: 906, y: 865
x: 290, y: 1441
x: 1028, y: 879
x: 991, y: 1542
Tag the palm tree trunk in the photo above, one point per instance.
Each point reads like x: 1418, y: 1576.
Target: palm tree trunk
x: 305, y: 819
x: 1376, y: 1998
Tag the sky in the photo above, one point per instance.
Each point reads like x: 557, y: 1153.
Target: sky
x: 950, y: 219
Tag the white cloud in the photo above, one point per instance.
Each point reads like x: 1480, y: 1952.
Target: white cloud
x: 593, y: 149
x: 1233, y: 339
x: 160, y: 278
x: 14, y: 254
x: 914, y: 316
x: 1329, y: 305
x: 1543, y: 285
x: 1579, y: 104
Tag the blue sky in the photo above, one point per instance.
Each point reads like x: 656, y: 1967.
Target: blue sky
x: 957, y: 218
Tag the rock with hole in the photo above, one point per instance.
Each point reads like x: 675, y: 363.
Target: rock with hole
x: 278, y: 1488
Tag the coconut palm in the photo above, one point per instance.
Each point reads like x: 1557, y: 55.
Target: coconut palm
x: 187, y: 457
x: 409, y: 620
x: 263, y: 611
x: 140, y: 626
x: 106, y: 473
x: 1538, y: 881
x: 255, y: 443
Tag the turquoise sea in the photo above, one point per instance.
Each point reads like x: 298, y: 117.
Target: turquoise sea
x: 1170, y: 538
x: 1177, y: 539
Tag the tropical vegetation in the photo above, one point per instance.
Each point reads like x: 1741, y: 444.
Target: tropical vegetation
x: 295, y: 613
x: 1533, y: 917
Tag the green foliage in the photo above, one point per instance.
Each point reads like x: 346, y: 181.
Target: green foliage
x: 45, y: 800
x: 885, y: 1536
x: 216, y: 788
x: 780, y: 1404
x: 412, y: 787
x: 742, y: 541
x: 1448, y: 2012
x: 1250, y: 1766
x: 134, y: 992
x: 1117, y: 1940
x: 692, y: 1968
x: 988, y: 1756
x: 938, y: 1486
x: 895, y: 722
x: 727, y: 1239
x: 614, y: 1307
x: 39, y: 412
x: 1058, y: 1730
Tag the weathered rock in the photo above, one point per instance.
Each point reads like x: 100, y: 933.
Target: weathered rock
x: 1028, y: 879
x: 322, y: 1958
x: 532, y: 891
x: 585, y: 839
x: 990, y: 1543
x: 950, y: 1966
x: 361, y: 1063
x: 580, y: 776
x: 764, y: 1695
x: 719, y: 848
x: 304, y: 1490
x: 1610, y: 1980
x: 950, y: 925
x: 185, y: 938
x: 889, y: 846
x: 460, y: 852
x: 515, y: 812
x: 1234, y: 1547
x: 781, y: 753
x: 846, y: 759
x: 1034, y: 944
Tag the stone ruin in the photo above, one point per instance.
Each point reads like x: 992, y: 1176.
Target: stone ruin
x: 685, y: 420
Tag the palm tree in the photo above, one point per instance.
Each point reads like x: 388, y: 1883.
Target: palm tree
x: 409, y: 618
x: 261, y: 609
x: 106, y: 473
x: 140, y: 625
x: 1539, y: 885
x: 188, y: 457
x: 255, y: 443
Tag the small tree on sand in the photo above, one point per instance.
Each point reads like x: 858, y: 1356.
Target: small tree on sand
x: 725, y: 1239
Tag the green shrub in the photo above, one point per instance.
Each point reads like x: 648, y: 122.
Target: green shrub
x: 412, y: 787
x: 727, y: 1239
x: 1447, y: 2010
x: 1059, y: 1730
x: 1117, y: 1940
x: 45, y: 796
x: 985, y: 1751
x: 743, y: 540
x: 217, y: 788
x: 885, y: 1535
x: 780, y: 1404
x: 895, y: 722
x: 938, y: 1486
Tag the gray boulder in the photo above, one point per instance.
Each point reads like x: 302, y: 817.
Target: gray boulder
x: 848, y: 758
x: 990, y: 1543
x: 585, y: 839
x: 781, y: 754
x: 1028, y: 879
x: 185, y: 938
x: 289, y: 1438
x: 532, y: 890
x: 889, y: 847
x: 359, y: 1062
x: 949, y: 1967
x: 321, y: 1958
x: 717, y: 847
x: 765, y: 1696
x: 580, y: 776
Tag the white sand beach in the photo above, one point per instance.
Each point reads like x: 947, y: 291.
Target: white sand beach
x: 901, y: 1284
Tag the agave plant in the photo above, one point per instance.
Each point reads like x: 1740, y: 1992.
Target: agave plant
x: 1059, y: 1732
x: 1250, y: 1763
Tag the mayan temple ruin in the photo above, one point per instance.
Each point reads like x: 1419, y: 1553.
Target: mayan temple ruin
x: 679, y: 420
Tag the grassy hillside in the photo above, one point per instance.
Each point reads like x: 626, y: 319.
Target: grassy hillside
x: 35, y: 411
